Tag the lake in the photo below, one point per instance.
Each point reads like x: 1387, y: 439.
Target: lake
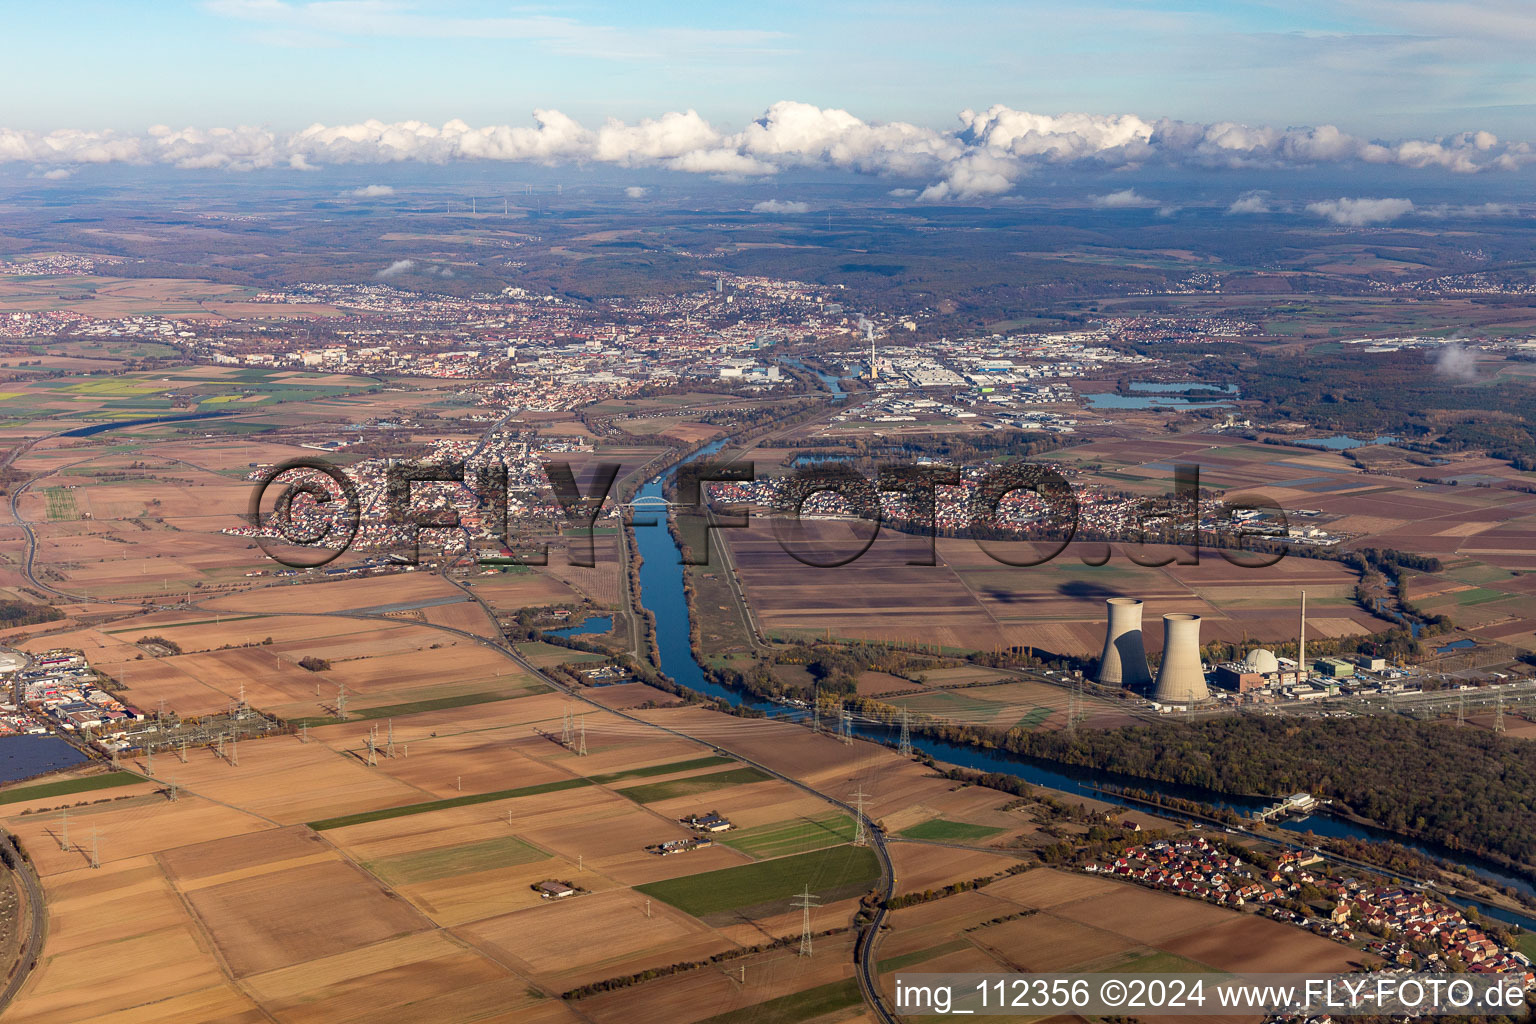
x: 1162, y: 396
x: 1343, y: 442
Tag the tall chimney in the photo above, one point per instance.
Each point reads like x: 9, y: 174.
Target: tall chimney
x: 1124, y: 661
x: 1180, y: 676
x: 1301, y: 646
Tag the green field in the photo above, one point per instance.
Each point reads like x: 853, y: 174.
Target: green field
x: 896, y: 963
x: 410, y: 708
x: 797, y: 1006
x: 545, y: 655
x: 798, y: 836
x: 712, y: 761
x: 451, y: 861
x: 652, y: 792
x: 1033, y: 719
x: 943, y: 831
x: 61, y: 503
x: 847, y: 868
x: 385, y: 813
x: 110, y: 780
x: 125, y: 387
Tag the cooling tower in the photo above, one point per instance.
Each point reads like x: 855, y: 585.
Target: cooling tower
x: 1180, y: 679
x: 1124, y: 661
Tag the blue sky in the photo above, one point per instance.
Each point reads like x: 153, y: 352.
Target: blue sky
x: 1389, y: 68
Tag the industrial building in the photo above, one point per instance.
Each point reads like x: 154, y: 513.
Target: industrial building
x: 1260, y: 670
x: 1335, y: 668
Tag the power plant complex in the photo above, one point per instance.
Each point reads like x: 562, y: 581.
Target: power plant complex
x: 1180, y: 672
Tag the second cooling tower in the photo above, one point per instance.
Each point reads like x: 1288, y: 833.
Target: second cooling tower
x: 1180, y: 677
x: 1124, y: 661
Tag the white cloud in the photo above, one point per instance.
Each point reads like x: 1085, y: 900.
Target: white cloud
x: 59, y: 173
x: 1456, y: 362
x: 395, y: 269
x: 1357, y: 213
x: 781, y: 206
x: 1130, y: 199
x: 1471, y: 210
x: 373, y: 192
x: 986, y: 154
x: 1250, y: 202
x: 1125, y: 199
x: 636, y: 192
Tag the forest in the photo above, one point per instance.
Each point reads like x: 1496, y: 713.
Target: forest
x: 1465, y: 789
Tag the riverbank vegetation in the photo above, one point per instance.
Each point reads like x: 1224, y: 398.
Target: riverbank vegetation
x: 1467, y: 791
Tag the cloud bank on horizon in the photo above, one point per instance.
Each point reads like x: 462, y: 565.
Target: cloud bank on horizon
x: 986, y: 156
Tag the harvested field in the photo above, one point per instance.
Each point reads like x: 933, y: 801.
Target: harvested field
x: 268, y: 921
x: 428, y: 977
x: 591, y: 936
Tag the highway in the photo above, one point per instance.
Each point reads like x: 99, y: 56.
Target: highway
x: 37, y: 930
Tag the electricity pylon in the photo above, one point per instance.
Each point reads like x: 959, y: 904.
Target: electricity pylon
x: 904, y: 745
x: 805, y: 901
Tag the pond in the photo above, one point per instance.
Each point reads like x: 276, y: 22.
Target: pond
x: 596, y: 624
